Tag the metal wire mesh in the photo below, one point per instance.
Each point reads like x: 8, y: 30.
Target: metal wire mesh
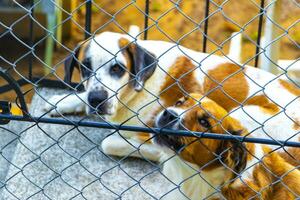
x: 118, y: 133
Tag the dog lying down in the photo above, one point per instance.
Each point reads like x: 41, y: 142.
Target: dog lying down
x: 128, y: 82
x: 215, y: 169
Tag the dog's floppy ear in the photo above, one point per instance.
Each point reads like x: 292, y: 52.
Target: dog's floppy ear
x: 234, y: 154
x: 70, y: 63
x: 143, y: 63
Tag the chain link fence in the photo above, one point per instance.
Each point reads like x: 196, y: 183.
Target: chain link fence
x: 91, y: 114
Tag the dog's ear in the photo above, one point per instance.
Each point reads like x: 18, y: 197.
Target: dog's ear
x: 70, y: 63
x: 143, y: 63
x: 234, y: 154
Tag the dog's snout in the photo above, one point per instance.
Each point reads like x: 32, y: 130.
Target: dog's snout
x: 167, y: 119
x: 169, y: 115
x: 96, y: 98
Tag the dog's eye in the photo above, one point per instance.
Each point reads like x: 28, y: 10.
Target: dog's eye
x: 203, y: 121
x: 179, y: 103
x: 117, y: 70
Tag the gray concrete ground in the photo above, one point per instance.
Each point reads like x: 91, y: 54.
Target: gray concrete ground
x: 8, y: 140
x: 64, y: 162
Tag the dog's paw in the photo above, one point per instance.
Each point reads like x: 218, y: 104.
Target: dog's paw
x: 60, y: 104
x: 117, y: 146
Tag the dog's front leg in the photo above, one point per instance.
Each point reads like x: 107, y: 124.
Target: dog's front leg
x: 66, y: 104
x: 117, y: 146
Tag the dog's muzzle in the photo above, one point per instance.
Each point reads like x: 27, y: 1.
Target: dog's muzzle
x: 98, y: 100
x: 168, y: 119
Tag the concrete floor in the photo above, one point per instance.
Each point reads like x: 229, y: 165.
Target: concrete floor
x: 64, y: 162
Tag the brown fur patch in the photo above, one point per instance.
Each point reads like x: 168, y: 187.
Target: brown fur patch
x: 292, y: 88
x: 296, y: 125
x: 292, y: 155
x: 203, y: 151
x: 280, y: 168
x: 82, y: 51
x: 235, y: 85
x: 83, y: 47
x: 234, y: 90
x: 124, y: 44
x: 146, y: 137
x: 180, y: 80
x: 264, y: 103
x: 251, y: 151
x: 274, y: 179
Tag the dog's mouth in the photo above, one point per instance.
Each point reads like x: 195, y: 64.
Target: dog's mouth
x: 100, y: 110
x: 170, y: 141
x: 166, y: 140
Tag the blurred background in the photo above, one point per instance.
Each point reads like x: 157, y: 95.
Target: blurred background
x: 59, y: 24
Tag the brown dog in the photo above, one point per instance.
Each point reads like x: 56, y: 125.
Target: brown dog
x: 206, y: 168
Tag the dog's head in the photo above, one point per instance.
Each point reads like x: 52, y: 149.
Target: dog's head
x: 200, y: 114
x: 108, y: 63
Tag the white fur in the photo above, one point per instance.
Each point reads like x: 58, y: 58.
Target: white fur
x: 65, y: 104
x: 264, y: 125
x: 116, y: 145
x: 134, y: 31
x: 190, y: 182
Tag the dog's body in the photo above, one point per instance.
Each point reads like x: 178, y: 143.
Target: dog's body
x: 156, y: 75
x: 210, y: 169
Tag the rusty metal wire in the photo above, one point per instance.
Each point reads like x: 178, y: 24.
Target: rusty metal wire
x: 62, y: 157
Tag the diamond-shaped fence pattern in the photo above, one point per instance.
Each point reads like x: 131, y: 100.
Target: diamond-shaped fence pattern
x: 154, y: 99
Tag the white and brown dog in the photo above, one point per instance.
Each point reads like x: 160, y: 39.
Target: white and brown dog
x: 129, y: 81
x: 216, y: 169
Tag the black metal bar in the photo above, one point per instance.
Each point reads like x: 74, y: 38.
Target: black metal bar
x: 13, y: 84
x: 88, y: 19
x: 44, y: 83
x: 146, y: 20
x: 205, y: 26
x: 259, y: 32
x: 31, y: 39
x: 153, y: 130
x: 56, y: 84
x: 8, y: 87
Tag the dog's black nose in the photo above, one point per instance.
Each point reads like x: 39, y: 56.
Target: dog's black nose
x: 167, y: 119
x: 169, y: 115
x: 96, y: 98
